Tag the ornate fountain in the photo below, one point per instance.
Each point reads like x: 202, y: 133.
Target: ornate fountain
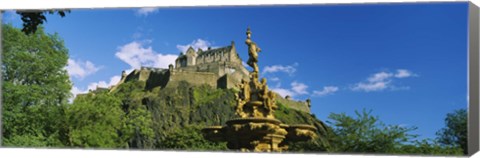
x: 255, y: 128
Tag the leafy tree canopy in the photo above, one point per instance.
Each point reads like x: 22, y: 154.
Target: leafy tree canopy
x: 35, y: 88
x: 95, y: 120
x: 366, y: 134
x: 455, y: 131
x: 189, y: 138
x: 32, y: 19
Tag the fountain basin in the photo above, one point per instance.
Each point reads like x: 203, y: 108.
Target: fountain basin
x: 213, y: 133
x: 300, y: 132
x: 259, y: 134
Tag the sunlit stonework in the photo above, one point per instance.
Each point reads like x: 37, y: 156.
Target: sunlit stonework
x: 255, y: 128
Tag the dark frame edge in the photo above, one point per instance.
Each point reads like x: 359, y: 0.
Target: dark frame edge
x: 473, y: 77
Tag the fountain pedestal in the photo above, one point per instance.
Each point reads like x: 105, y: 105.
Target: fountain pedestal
x: 254, y: 134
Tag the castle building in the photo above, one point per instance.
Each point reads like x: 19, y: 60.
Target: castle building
x: 221, y: 61
x: 219, y: 67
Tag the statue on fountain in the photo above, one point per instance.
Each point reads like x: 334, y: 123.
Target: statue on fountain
x: 254, y: 98
x: 253, y: 51
x: 256, y: 128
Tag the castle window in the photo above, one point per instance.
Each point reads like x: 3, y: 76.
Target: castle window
x: 183, y: 63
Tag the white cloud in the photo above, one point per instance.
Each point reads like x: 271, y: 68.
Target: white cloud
x: 295, y: 90
x: 75, y: 91
x: 104, y: 84
x: 137, y: 55
x: 289, y: 69
x: 383, y: 80
x: 80, y: 69
x: 299, y: 88
x: 275, y: 79
x: 128, y: 71
x: 371, y: 86
x: 379, y: 77
x: 283, y: 92
x: 114, y: 80
x: 146, y: 11
x: 198, y: 43
x: 326, y: 91
x: 402, y: 73
x: 94, y: 85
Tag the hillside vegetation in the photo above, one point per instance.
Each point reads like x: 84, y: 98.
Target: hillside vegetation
x: 171, y: 118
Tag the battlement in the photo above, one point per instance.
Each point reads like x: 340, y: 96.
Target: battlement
x: 200, y: 57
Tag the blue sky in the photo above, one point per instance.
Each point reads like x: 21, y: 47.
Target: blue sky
x: 406, y: 62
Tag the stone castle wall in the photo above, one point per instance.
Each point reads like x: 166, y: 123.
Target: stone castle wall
x: 297, y: 105
x: 194, y: 78
x: 153, y: 77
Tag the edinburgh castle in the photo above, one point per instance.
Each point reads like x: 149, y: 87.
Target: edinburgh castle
x: 219, y: 67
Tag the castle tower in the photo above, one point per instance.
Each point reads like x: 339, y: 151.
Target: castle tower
x: 191, y: 56
x: 232, y: 55
x: 179, y: 62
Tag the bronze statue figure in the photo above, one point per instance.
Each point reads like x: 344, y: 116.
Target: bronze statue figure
x: 253, y: 51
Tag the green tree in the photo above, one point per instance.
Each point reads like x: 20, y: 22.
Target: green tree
x: 430, y: 147
x: 32, y: 19
x: 138, y: 126
x: 366, y: 134
x: 35, y: 88
x: 315, y: 145
x: 189, y: 138
x: 96, y: 120
x: 455, y: 132
x: 138, y: 130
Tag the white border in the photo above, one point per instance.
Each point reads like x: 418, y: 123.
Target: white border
x: 74, y: 4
